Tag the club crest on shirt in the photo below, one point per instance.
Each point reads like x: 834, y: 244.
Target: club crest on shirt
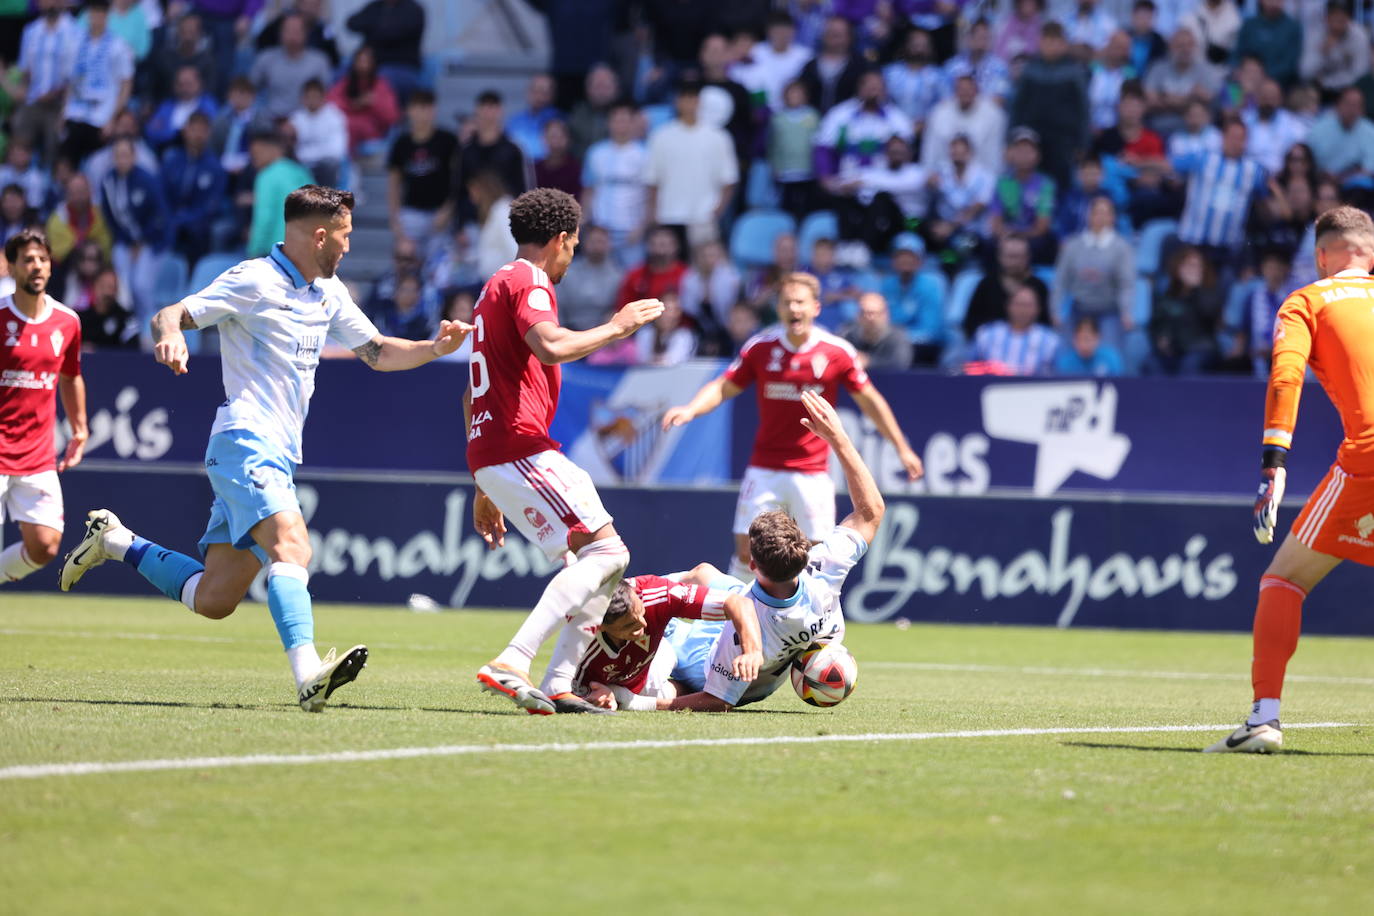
x: 56, y: 340
x: 12, y: 334
x: 775, y: 360
x: 818, y: 364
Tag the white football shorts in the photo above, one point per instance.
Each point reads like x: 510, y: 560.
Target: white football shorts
x: 34, y: 498
x: 809, y: 498
x: 546, y: 497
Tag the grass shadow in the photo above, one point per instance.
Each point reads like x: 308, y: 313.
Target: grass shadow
x: 1194, y: 749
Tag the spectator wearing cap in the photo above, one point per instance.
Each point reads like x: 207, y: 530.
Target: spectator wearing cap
x: 1221, y: 188
x: 526, y: 128
x: 1337, y: 57
x: 833, y: 74
x: 281, y: 73
x: 1087, y: 355
x: 193, y: 184
x: 1051, y: 98
x: 1274, y: 130
x: 1016, y: 344
x: 1170, y: 84
x: 690, y: 172
x: 485, y: 145
x: 1275, y: 38
x: 188, y: 96
x: 588, y: 290
x: 420, y: 171
x: 1095, y: 275
x: 880, y: 345
x: 1342, y: 140
x: 914, y: 299
x: 276, y: 175
x: 137, y: 216
x: 321, y: 135
x: 99, y: 85
x: 968, y: 114
x: 394, y: 29
x: 1025, y: 198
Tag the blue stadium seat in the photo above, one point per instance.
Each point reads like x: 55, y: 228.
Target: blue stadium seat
x: 1144, y: 302
x: 209, y: 267
x: 820, y: 224
x: 960, y: 295
x: 751, y: 241
x: 759, y: 191
x: 657, y: 115
x: 170, y: 284
x: 1149, y: 243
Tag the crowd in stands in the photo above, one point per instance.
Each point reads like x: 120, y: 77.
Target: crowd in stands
x: 1028, y: 187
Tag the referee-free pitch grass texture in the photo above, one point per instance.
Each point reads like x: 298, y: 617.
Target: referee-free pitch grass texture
x: 1104, y: 822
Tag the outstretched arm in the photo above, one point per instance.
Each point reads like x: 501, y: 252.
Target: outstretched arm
x: 553, y: 344
x: 863, y: 489
x: 876, y: 408
x: 712, y: 395
x: 169, y: 343
x: 393, y: 354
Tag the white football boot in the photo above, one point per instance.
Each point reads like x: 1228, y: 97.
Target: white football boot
x: 335, y: 671
x: 1266, y: 738
x: 514, y: 684
x: 106, y: 538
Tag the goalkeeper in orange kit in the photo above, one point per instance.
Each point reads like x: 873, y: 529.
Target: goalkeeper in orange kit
x: 1328, y: 325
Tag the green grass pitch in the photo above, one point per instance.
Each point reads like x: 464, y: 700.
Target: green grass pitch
x: 1071, y: 822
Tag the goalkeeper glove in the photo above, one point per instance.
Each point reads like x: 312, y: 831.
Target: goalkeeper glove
x: 1272, y: 477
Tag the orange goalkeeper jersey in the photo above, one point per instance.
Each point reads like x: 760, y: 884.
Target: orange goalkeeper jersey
x: 1328, y: 325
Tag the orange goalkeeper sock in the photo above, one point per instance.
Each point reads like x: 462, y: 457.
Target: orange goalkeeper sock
x: 1278, y: 622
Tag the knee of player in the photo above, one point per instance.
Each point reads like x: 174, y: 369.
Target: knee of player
x: 214, y: 606
x: 42, y: 551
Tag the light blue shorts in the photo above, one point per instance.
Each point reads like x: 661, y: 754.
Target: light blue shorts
x: 252, y: 480
x: 694, y: 640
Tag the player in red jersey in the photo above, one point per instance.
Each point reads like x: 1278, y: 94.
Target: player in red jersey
x: 512, y: 395
x: 618, y: 669
x: 40, y: 349
x: 788, y: 469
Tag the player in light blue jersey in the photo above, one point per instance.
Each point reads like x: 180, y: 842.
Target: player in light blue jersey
x: 274, y: 315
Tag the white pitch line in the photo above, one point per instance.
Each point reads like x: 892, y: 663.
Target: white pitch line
x: 38, y: 771
x: 1114, y: 672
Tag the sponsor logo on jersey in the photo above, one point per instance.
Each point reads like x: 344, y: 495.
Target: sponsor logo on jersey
x: 543, y: 529
x: 28, y: 379
x: 787, y: 391
x: 1365, y: 525
x: 1072, y: 423
x: 723, y: 671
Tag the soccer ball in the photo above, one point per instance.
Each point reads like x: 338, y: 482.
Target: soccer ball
x: 825, y: 675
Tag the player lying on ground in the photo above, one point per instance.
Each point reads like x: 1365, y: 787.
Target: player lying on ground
x: 520, y: 473
x: 40, y: 349
x: 616, y: 668
x: 1328, y: 325
x: 795, y: 593
x: 788, y: 469
x: 274, y: 315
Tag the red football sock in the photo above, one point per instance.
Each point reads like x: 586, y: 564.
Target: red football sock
x: 1278, y: 622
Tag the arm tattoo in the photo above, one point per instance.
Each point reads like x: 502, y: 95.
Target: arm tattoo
x: 369, y: 352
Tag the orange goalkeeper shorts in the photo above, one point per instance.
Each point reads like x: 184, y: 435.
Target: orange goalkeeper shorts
x: 1338, y: 519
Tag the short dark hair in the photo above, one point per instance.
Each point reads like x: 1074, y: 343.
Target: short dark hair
x: 488, y: 97
x: 243, y: 84
x: 420, y: 96
x: 777, y: 546
x: 30, y: 235
x: 314, y: 201
x: 620, y: 602
x: 1144, y: 5
x: 1052, y: 29
x: 1089, y: 322
x: 198, y: 115
x: 539, y: 215
x: 780, y: 17
x: 1344, y: 220
x: 312, y: 83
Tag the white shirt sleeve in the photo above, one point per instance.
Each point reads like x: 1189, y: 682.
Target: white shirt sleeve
x: 833, y: 558
x: 233, y: 292
x: 349, y: 327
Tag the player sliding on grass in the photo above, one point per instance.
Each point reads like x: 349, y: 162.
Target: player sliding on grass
x: 274, y: 315
x: 1328, y: 325
x: 796, y: 595
x: 514, y: 378
x: 788, y: 468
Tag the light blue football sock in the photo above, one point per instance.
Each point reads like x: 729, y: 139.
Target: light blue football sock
x: 166, y: 569
x: 288, y: 599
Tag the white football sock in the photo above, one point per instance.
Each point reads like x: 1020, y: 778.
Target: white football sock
x: 1263, y: 711
x: 565, y: 597
x: 740, y: 570
x: 573, y: 641
x: 305, y: 662
x: 15, y: 563
x: 188, y: 591
x: 116, y: 542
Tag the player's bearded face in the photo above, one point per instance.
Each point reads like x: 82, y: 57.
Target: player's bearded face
x: 630, y: 625
x: 32, y: 269
x: 335, y: 244
x: 563, y: 256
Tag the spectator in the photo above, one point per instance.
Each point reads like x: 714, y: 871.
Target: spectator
x: 977, y: 118
x: 613, y: 191
x: 744, y: 324
x: 1171, y: 83
x: 106, y: 323
x: 491, y: 201
x: 776, y: 61
x: 189, y: 48
x: 1016, y: 344
x: 854, y: 132
x: 1298, y: 163
x: 188, y: 97
x: 276, y: 175
x: 709, y: 288
x: 691, y: 171
x: 322, y: 135
x: 1221, y: 188
x: 833, y: 74
x: 1020, y: 32
x: 1217, y: 25
x: 15, y: 214
x: 367, y: 102
x: 1337, y: 57
x: 1087, y: 355
x: 1095, y: 276
x: 101, y: 162
x: 559, y: 168
x: 660, y: 272
x: 1075, y: 204
x: 21, y: 169
x: 1240, y: 93
x: 129, y: 21
x: 1342, y: 140
x: 420, y: 171
x: 724, y: 102
x: 1275, y: 267
x: 1089, y: 29
x: 588, y: 289
x: 1274, y: 130
x: 1199, y: 135
x: 989, y: 71
x: 98, y: 85
x: 1328, y: 195
x: 47, y: 53
x: 837, y: 282
x: 281, y: 73
x: 1130, y: 141
x: 880, y: 345
x: 590, y: 118
x: 526, y: 128
x: 1185, y: 317
x: 77, y: 220
x: 405, y: 259
x: 581, y: 32
x: 1110, y: 72
x: 1051, y: 98
x: 233, y: 127
x: 193, y: 183
x: 137, y: 216
x: 226, y: 24
x: 319, y: 33
x: 881, y: 199
x: 1275, y: 38
x: 75, y: 277
x: 916, y: 83
x: 669, y: 339
x: 1025, y: 197
x: 1147, y: 45
x: 1282, y: 218
x: 394, y: 29
x: 763, y: 285
x: 791, y: 137
x: 1011, y: 272
x: 486, y: 146
x: 963, y: 192
x: 403, y: 315
x: 459, y: 305
x: 914, y: 298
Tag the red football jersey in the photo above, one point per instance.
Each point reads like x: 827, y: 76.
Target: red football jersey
x: 822, y: 364
x: 32, y: 355
x: 628, y: 665
x: 514, y: 395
